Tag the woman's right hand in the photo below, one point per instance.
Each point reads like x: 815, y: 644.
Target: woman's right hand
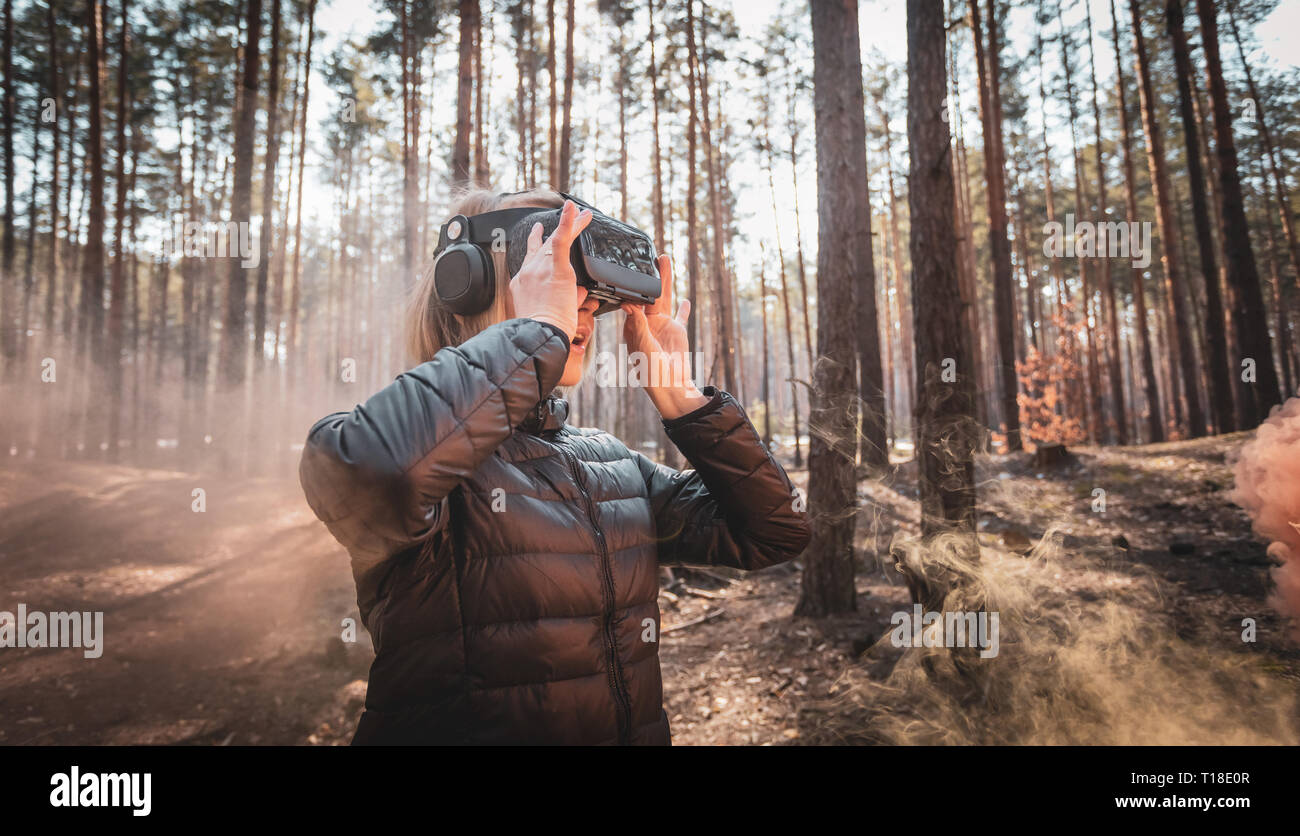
x: 546, y: 288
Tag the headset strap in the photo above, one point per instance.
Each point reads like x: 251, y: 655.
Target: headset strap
x: 480, y: 228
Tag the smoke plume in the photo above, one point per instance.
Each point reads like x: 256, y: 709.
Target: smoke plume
x: 1268, y: 487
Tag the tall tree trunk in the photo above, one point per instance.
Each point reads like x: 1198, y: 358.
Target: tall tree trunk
x: 469, y: 23
x: 1243, y: 399
x: 896, y: 253
x: 1049, y: 194
x: 1270, y: 150
x: 767, y: 372
x: 1155, y: 427
x: 793, y: 129
x: 519, y: 22
x: 1220, y: 391
x: 658, y: 178
x: 967, y: 279
x: 1279, y: 310
x: 944, y: 402
x: 117, y: 290
x: 1175, y: 279
x: 282, y: 262
x: 71, y: 311
x: 268, y: 190
x: 295, y: 293
x: 785, y: 289
x: 553, y: 144
x: 842, y: 208
x: 92, y: 279
x: 234, y: 330
x: 1285, y: 367
x: 566, y: 133
x: 1092, y: 408
x: 727, y: 337
x: 29, y: 264
x: 482, y: 171
x: 56, y: 92
x: 1248, y: 312
x: 8, y: 291
x: 532, y: 98
x: 990, y: 71
x: 692, y: 186
x: 410, y: 153
x: 1116, y: 377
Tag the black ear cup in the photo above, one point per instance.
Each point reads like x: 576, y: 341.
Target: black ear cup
x: 464, y: 279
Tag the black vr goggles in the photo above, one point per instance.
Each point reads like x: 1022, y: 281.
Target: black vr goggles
x: 614, y: 261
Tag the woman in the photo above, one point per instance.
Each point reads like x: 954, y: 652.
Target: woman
x: 506, y: 563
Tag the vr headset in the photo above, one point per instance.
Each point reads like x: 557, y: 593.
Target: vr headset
x: 613, y: 260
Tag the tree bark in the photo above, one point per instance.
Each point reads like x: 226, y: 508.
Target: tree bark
x: 944, y: 403
x: 268, y: 190
x: 92, y: 278
x: 234, y: 328
x: 792, y: 124
x: 53, y: 282
x: 553, y: 146
x: 482, y: 170
x: 1248, y: 312
x: 1155, y: 426
x: 1270, y: 150
x: 828, y: 585
x: 470, y: 16
x: 295, y: 292
x: 117, y: 289
x: 1175, y: 279
x: 726, y: 349
x: 692, y: 185
x: 989, y: 66
x: 8, y: 291
x: 1114, y: 372
x: 1220, y: 391
x: 1092, y: 407
x: 657, y: 196
x: 566, y: 131
x: 785, y: 288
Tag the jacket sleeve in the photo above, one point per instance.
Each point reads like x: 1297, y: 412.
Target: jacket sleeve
x: 736, y: 507
x: 378, y: 476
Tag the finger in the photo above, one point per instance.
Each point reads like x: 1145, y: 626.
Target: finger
x: 534, y: 241
x: 635, y: 317
x: 566, y: 232
x: 683, y: 312
x: 564, y: 227
x: 664, y: 304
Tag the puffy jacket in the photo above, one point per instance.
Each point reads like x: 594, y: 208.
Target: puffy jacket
x: 506, y: 563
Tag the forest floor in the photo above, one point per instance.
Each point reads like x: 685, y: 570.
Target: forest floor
x: 223, y: 627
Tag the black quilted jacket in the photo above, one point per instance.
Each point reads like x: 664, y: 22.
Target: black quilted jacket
x: 506, y: 563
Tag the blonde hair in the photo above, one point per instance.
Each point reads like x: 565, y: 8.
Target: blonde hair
x: 430, y: 325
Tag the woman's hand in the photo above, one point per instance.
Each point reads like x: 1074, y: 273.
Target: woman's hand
x: 546, y: 288
x: 662, y: 339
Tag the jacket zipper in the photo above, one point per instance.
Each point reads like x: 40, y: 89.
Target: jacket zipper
x: 616, y: 683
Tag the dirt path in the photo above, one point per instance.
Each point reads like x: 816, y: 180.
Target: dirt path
x: 223, y: 626
x: 220, y: 627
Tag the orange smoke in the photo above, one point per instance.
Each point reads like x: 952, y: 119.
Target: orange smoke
x: 1268, y: 487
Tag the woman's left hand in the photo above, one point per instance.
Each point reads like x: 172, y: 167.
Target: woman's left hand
x: 661, y: 338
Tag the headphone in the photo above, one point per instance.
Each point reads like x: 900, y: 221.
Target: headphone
x: 464, y: 272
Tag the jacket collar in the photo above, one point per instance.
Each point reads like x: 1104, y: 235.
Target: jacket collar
x: 549, y: 415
